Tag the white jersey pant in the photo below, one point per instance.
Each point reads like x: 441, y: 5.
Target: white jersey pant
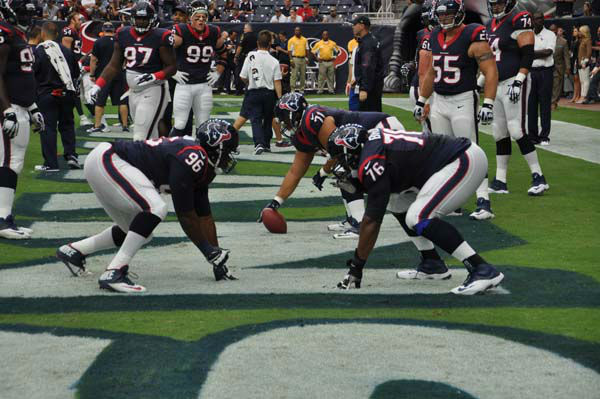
x: 122, y: 189
x: 147, y: 105
x: 412, y: 98
x: 391, y: 122
x: 510, y: 119
x: 12, y: 151
x: 455, y: 115
x: 86, y: 86
x: 198, y: 97
x: 446, y: 190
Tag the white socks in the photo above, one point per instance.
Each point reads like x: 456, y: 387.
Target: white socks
x: 463, y: 251
x: 99, y: 242
x: 133, y: 242
x: 356, y: 209
x: 7, y: 197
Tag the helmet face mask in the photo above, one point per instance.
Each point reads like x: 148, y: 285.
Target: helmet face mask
x: 499, y: 8
x: 220, y: 141
x: 449, y: 13
x: 143, y: 17
x: 288, y: 111
x: 345, y: 146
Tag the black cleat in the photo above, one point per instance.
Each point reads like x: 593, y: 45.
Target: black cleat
x: 73, y: 259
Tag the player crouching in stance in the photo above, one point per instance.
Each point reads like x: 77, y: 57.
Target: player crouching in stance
x: 418, y: 177
x: 126, y: 177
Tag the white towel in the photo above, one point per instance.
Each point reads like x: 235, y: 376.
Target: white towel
x: 59, y: 63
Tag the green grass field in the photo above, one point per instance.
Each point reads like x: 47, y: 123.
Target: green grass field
x: 175, y: 345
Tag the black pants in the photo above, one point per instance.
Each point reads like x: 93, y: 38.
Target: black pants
x: 57, y: 112
x: 239, y: 83
x: 540, y: 97
x: 373, y: 102
x: 592, y: 93
x: 259, y: 105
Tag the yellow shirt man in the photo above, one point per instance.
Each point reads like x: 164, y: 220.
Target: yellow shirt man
x: 298, y: 46
x: 325, y: 50
x: 352, y: 45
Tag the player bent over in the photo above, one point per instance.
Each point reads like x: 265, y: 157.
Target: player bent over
x: 419, y: 177
x: 126, y: 177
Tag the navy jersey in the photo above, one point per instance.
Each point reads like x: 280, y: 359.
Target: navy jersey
x: 393, y: 161
x: 195, y: 54
x: 18, y: 76
x: 455, y: 71
x: 422, y: 44
x: 141, y: 52
x: 503, y: 41
x: 103, y: 50
x: 306, y: 138
x: 76, y: 44
x: 177, y: 163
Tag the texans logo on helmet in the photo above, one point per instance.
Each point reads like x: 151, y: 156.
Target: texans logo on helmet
x: 349, y: 141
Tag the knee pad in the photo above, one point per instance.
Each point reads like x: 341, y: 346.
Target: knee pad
x: 8, y: 178
x: 422, y: 225
x: 525, y: 145
x: 503, y: 146
x: 118, y: 235
x: 144, y: 223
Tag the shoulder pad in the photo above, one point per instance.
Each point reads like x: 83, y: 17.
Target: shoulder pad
x: 477, y: 33
x: 521, y: 20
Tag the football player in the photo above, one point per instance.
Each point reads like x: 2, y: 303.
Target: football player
x: 418, y: 177
x: 458, y: 50
x: 149, y: 60
x: 17, y: 110
x: 126, y: 177
x: 512, y: 39
x: 196, y: 44
x: 309, y: 128
x: 422, y: 56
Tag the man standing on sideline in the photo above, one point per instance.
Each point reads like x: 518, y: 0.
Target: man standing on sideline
x: 247, y: 44
x: 326, y: 50
x: 100, y: 57
x: 262, y: 74
x: 298, y: 48
x: 562, y: 60
x: 542, y: 72
x: 353, y: 104
x: 56, y: 71
x: 368, y: 66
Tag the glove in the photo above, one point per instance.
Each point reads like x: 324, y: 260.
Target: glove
x: 213, y: 78
x: 486, y: 113
x: 10, y: 124
x: 274, y: 204
x: 218, y: 257
x: 145, y: 79
x: 419, y: 110
x: 93, y: 93
x: 514, y: 91
x: 37, y: 119
x: 354, y: 275
x: 181, y: 77
x: 319, y: 178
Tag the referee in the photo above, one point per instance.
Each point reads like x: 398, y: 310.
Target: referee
x: 262, y: 74
x: 368, y: 66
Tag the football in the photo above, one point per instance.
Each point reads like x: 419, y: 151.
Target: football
x: 274, y: 221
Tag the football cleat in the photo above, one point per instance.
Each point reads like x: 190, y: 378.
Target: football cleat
x: 538, y: 185
x: 483, y: 210
x: 498, y: 187
x: 343, y: 225
x: 84, y: 121
x: 222, y: 273
x: 73, y: 162
x: 352, y: 278
x: 117, y: 280
x: 428, y: 269
x: 259, y: 149
x: 11, y: 219
x: 10, y: 231
x: 73, y: 259
x: 483, y: 278
x: 456, y: 212
x: 45, y: 168
x: 352, y: 232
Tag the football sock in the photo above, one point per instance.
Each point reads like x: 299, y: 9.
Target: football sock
x: 346, y: 207
x: 482, y: 190
x: 430, y: 254
x: 473, y: 261
x: 133, y: 242
x: 98, y: 242
x: 357, y: 209
x: 502, y: 167
x: 442, y: 234
x: 463, y: 251
x: 7, y: 196
x: 534, y: 164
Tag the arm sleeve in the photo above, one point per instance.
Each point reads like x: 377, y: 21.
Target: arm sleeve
x: 181, y: 183
x: 201, y: 202
x: 378, y: 198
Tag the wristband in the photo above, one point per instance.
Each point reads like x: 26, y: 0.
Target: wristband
x: 521, y: 77
x: 279, y: 199
x: 488, y: 101
x: 100, y: 82
x: 160, y: 75
x: 32, y: 107
x: 422, y: 99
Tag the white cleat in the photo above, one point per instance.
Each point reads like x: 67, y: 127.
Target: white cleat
x: 117, y: 280
x: 538, y: 185
x: 483, y: 210
x: 10, y: 231
x: 341, y: 226
x: 350, y: 233
x: 485, y: 277
x: 84, y: 121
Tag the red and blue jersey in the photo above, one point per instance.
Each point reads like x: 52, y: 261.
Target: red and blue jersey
x: 503, y: 35
x: 141, y: 51
x: 306, y: 138
x: 75, y: 48
x: 422, y: 44
x: 197, y: 50
x: 455, y: 71
x: 18, y: 76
